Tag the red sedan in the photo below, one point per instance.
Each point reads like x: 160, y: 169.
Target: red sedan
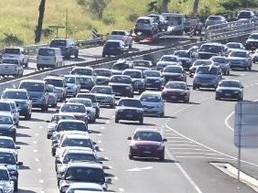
x: 147, y: 143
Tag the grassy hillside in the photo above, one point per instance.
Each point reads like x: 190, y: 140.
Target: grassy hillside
x: 18, y: 18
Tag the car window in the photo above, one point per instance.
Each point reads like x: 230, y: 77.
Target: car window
x: 6, y: 120
x: 133, y: 74
x: 33, y: 86
x: 68, y: 126
x: 7, y: 158
x: 77, y: 142
x: 73, y: 108
x: 147, y: 136
x: 130, y: 103
x: 46, y: 52
x: 78, y: 157
x: 150, y: 98
x: 15, y: 95
x: 12, y: 51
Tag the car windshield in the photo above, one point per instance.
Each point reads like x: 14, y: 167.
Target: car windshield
x: 147, y: 136
x: 85, y: 174
x: 238, y: 54
x: 69, y: 126
x: 133, y: 74
x: 148, y: 73
x: 207, y: 70
x: 120, y: 66
x: 58, y: 43
x: 144, y: 21
x: 130, y: 103
x: 5, y: 107
x: 79, y: 157
x: 233, y: 45
x: 10, y: 61
x: 219, y: 60
x: 121, y: 79
x: 150, y: 98
x: 77, y: 142
x: 54, y: 82
x: 253, y: 36
x: 6, y: 120
x: 82, y: 71
x: 182, y: 54
x: 46, y: 52
x: 6, y: 143
x: 86, y: 103
x: 92, y: 97
x: 85, y: 80
x: 202, y: 62
x: 211, y: 48
x: 57, y: 118
x: 100, y: 72
x: 141, y: 63
x: 33, y: 86
x: 12, y: 51
x: 70, y: 79
x: 169, y: 58
x: 15, y: 95
x: 230, y: 84
x: 102, y: 90
x: 215, y: 18
x: 73, y: 108
x: 176, y: 85
x: 173, y: 69
x: 7, y: 158
x: 4, y: 175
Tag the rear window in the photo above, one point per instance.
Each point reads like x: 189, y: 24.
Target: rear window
x: 46, y: 52
x: 58, y: 43
x: 12, y: 51
x: 33, y: 86
x: 144, y: 21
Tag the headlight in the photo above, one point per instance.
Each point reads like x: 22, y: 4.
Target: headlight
x: 219, y: 91
x: 128, y: 88
x: 160, y: 147
x: 183, y: 93
x: 138, y: 111
x: 134, y: 147
x: 157, y: 81
x: 236, y: 91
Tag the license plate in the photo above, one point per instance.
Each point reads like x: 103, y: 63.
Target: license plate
x: 147, y: 152
x: 228, y: 94
x: 129, y: 116
x: 173, y: 97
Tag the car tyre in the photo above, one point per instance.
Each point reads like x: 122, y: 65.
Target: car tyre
x: 116, y: 120
x: 28, y: 116
x: 141, y: 120
x: 162, y: 158
x: 130, y: 157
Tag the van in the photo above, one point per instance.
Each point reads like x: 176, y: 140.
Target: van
x: 48, y: 57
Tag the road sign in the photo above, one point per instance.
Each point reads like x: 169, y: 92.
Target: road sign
x: 246, y: 124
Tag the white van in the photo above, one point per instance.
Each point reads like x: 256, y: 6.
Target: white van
x: 48, y: 57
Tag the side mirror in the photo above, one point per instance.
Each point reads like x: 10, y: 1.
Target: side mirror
x: 108, y: 180
x: 59, y: 176
x: 19, y: 163
x: 18, y: 147
x: 165, y: 140
x: 129, y: 138
x: 48, y: 121
x: 97, y: 148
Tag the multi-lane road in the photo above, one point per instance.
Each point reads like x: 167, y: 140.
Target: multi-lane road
x: 199, y: 133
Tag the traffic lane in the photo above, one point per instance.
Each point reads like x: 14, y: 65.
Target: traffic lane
x: 137, y: 175
x: 37, y: 173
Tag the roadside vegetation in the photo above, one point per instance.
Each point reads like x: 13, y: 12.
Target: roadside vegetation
x: 18, y: 18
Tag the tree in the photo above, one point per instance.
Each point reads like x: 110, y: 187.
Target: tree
x: 160, y: 6
x: 96, y: 7
x: 195, y: 7
x: 234, y: 5
x: 40, y: 21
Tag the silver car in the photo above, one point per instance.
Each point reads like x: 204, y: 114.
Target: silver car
x: 73, y: 85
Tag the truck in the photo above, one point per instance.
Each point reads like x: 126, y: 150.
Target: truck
x: 123, y: 35
x: 11, y: 67
x: 176, y: 23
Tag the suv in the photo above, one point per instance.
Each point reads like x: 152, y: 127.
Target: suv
x: 22, y: 100
x: 207, y: 77
x: 245, y: 14
x: 68, y: 47
x: 146, y: 25
x: 214, y: 20
x: 49, y: 58
x: 16, y: 52
x: 122, y: 85
x: 60, y: 86
x: 114, y: 48
x: 38, y: 92
x: 137, y: 78
x: 252, y: 41
x: 11, y: 67
x: 162, y: 22
x: 209, y: 49
x: 82, y: 172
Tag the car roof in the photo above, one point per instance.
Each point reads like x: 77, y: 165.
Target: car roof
x: 148, y: 92
x: 111, y: 41
x: 85, y: 184
x: 147, y: 129
x: 86, y: 164
x: 15, y: 89
x: 6, y: 137
x: 7, y: 150
x: 48, y: 77
x: 85, y: 150
x: 70, y: 121
x: 6, y: 113
x: 33, y: 81
x: 77, y: 104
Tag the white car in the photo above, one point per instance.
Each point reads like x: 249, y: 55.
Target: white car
x: 9, y: 106
x: 255, y: 56
x: 152, y: 103
x: 18, y: 53
x: 11, y: 67
x: 73, y: 85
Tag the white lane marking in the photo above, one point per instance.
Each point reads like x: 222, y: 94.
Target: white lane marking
x: 102, y: 127
x: 36, y: 159
x: 39, y: 170
x: 226, y: 121
x: 121, y: 189
x: 107, y: 122
x: 99, y: 141
x: 41, y: 181
x: 35, y: 150
x: 203, y: 157
x: 37, y: 134
x: 115, y: 178
x: 139, y: 169
x: 35, y: 142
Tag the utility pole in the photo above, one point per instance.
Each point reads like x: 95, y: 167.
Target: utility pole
x: 195, y: 8
x: 40, y: 21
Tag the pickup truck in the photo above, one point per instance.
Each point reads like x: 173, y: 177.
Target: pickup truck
x: 11, y: 67
x: 123, y: 35
x: 16, y: 52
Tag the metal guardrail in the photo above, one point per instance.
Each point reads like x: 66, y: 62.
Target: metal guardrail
x: 231, y: 29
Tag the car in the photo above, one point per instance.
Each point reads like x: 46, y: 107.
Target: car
x: 82, y: 172
x: 89, y: 107
x: 48, y: 57
x: 9, y: 160
x: 60, y: 85
x: 82, y: 70
x: 52, y: 98
x: 207, y: 77
x: 7, y: 125
x: 22, y: 100
x: 85, y: 186
x: 153, y: 79
x: 142, y: 64
x: 38, y: 92
x: 245, y: 14
x: 86, y: 82
x: 197, y: 63
x: 120, y: 65
x: 9, y: 106
x: 222, y: 62
x: 152, y: 103
x: 176, y: 91
x: 176, y: 22
x: 114, y: 48
x: 129, y: 109
x: 251, y: 42
x: 11, y: 67
x: 68, y: 47
x: 78, y: 154
x: 185, y: 57
x: 162, y: 64
x: 240, y: 59
x: 8, y: 143
x: 173, y: 72
x: 171, y: 58
x: 255, y: 56
x: 106, y: 72
x: 102, y: 80
x: 160, y: 20
x: 146, y: 25
x: 138, y: 80
x: 16, y: 52
x: 122, y: 85
x: 104, y: 94
x: 194, y: 25
x: 123, y: 35
x: 214, y: 20
x: 229, y: 89
x: 78, y: 110
x: 7, y: 184
x: 209, y: 49
x: 147, y: 143
x: 93, y: 99
x: 73, y: 85
x: 234, y: 45
x: 52, y: 124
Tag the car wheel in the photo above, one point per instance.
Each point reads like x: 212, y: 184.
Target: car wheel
x: 76, y: 55
x: 194, y: 87
x: 28, y: 116
x: 116, y: 120
x: 217, y: 98
x: 141, y: 120
x: 162, y: 114
x: 130, y: 157
x: 162, y: 158
x: 16, y: 186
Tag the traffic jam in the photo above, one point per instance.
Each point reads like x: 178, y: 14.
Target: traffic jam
x: 133, y: 88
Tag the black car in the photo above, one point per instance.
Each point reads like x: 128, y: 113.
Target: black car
x: 153, y: 79
x: 122, y: 85
x: 174, y: 72
x: 185, y: 57
x: 129, y: 109
x: 22, y: 100
x: 7, y: 125
x: 137, y: 78
x: 229, y: 89
x: 114, y: 48
x: 68, y: 47
x: 86, y: 82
